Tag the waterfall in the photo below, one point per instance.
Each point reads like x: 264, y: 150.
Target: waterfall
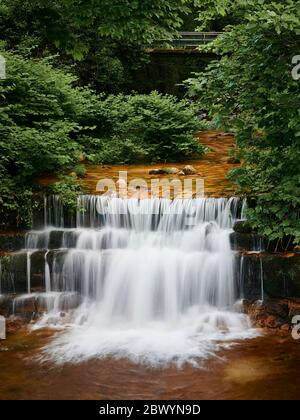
x: 47, y: 275
x: 262, y: 280
x: 29, y: 272
x: 152, y: 280
x: 241, y: 277
x: 244, y: 209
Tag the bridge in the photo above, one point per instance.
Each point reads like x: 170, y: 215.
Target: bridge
x: 186, y: 42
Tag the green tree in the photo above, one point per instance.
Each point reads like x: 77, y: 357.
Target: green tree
x: 39, y: 114
x: 250, y: 90
x: 132, y: 128
x: 48, y: 123
x: 105, y: 39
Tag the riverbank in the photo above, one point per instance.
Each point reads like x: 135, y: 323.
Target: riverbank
x: 261, y: 368
x: 213, y: 167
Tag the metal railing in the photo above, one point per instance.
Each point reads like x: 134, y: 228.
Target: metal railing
x: 188, y: 40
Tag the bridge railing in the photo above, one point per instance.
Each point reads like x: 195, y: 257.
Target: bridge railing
x: 188, y: 40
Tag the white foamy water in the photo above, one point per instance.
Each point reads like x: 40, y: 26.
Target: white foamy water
x: 155, y: 279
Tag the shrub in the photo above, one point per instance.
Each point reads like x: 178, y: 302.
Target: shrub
x: 68, y: 188
x: 39, y: 114
x: 155, y: 127
x: 47, y: 123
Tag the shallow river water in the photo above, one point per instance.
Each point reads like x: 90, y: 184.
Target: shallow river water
x: 266, y: 367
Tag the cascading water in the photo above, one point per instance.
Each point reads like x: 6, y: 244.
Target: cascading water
x: 153, y: 279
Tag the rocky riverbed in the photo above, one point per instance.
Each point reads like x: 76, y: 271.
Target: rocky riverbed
x: 261, y: 368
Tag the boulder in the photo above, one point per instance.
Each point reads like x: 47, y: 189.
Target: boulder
x: 242, y: 226
x: 10, y: 242
x: 6, y: 305
x: 294, y: 308
x: 189, y: 170
x: 282, y: 245
x: 268, y: 314
x: 280, y: 275
x: 233, y: 161
x: 154, y: 172
x: 25, y: 306
x: 81, y: 157
x: 246, y: 242
x: 171, y: 171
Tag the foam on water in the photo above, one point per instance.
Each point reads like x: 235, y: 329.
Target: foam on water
x: 155, y: 279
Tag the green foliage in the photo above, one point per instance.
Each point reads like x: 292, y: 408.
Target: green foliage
x: 66, y: 24
x: 47, y: 124
x: 68, y: 188
x: 79, y: 170
x: 15, y: 203
x: 250, y: 90
x: 39, y: 114
x: 144, y: 127
x: 103, y: 38
x: 115, y: 150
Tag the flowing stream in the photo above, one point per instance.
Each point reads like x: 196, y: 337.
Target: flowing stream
x: 151, y: 280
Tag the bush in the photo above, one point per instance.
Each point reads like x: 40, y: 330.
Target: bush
x: 151, y: 127
x: 68, y: 188
x: 39, y: 114
x: 79, y: 170
x: 47, y: 124
x: 250, y: 91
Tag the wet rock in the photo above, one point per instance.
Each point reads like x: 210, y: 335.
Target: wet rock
x: 189, y: 170
x: 14, y: 271
x: 56, y: 239
x: 164, y: 171
x: 272, y: 322
x: 171, y: 171
x: 283, y: 245
x: 6, y: 305
x: 65, y: 302
x: 285, y: 327
x: 25, y: 307
x: 246, y: 242
x: 280, y: 275
x: 233, y: 161
x: 14, y: 324
x: 12, y: 242
x: 294, y: 308
x: 154, y: 172
x: 81, y: 157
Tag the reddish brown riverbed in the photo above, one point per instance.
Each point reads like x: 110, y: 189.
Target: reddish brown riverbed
x: 213, y: 168
x: 267, y: 367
